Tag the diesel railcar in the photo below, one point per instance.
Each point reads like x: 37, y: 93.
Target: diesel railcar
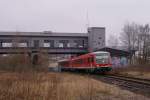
x: 91, y: 62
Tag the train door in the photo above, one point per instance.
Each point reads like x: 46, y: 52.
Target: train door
x: 91, y: 61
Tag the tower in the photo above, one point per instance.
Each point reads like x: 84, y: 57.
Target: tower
x: 96, y: 38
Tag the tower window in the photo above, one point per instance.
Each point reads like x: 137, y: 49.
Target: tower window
x: 100, y: 37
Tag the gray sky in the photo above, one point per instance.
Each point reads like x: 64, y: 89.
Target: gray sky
x: 71, y: 15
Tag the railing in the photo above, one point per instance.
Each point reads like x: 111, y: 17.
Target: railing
x: 42, y: 49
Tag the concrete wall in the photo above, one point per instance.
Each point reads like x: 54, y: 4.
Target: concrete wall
x: 119, y: 61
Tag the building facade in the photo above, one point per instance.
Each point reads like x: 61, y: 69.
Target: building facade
x: 53, y: 42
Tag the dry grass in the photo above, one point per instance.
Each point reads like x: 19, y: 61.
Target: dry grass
x: 138, y: 71
x: 59, y: 86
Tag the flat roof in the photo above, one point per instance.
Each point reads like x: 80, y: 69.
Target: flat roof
x: 42, y: 34
x: 116, y: 52
x: 96, y: 28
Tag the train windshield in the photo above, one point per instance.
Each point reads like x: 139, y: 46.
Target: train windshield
x: 102, y: 58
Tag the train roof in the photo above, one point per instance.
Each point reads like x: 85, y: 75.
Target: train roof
x: 63, y: 60
x: 99, y: 52
x: 92, y: 53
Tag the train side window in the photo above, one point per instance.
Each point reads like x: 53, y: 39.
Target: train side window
x: 89, y: 60
x: 76, y: 61
x: 84, y: 60
x: 80, y: 61
x: 92, y: 59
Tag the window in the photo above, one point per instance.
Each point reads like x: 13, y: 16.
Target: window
x: 7, y: 44
x: 64, y: 64
x: 80, y: 46
x: 102, y: 58
x: 100, y: 37
x: 68, y: 45
x: 79, y: 61
x: 92, y: 59
x: 22, y: 44
x: 36, y: 43
x: 74, y: 44
x: 47, y: 45
x: 61, y: 45
x: 79, y: 43
x: 88, y: 60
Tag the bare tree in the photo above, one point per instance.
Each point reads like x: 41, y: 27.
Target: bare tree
x: 144, y: 42
x: 137, y: 37
x: 129, y: 37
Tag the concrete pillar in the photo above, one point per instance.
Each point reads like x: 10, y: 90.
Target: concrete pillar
x: 52, y: 43
x: 56, y: 43
x: 30, y: 43
x: 41, y: 43
x: 71, y: 43
x: 65, y: 44
x: 85, y: 44
x: 34, y: 58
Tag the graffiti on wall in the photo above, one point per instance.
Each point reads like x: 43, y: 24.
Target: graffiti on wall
x: 119, y: 61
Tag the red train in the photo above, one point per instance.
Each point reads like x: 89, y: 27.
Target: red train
x: 92, y: 62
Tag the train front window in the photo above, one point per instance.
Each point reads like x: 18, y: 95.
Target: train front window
x: 102, y: 58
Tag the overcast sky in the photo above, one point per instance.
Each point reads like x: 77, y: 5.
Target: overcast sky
x: 71, y: 15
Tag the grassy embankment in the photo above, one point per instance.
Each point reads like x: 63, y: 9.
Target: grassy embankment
x: 20, y: 80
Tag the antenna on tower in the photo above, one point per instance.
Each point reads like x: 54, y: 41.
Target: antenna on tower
x: 87, y: 19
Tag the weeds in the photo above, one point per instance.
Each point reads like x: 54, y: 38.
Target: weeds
x: 56, y: 86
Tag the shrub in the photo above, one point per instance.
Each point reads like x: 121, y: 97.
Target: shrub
x: 23, y: 63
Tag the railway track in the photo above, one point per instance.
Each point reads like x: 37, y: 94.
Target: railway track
x: 140, y: 86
